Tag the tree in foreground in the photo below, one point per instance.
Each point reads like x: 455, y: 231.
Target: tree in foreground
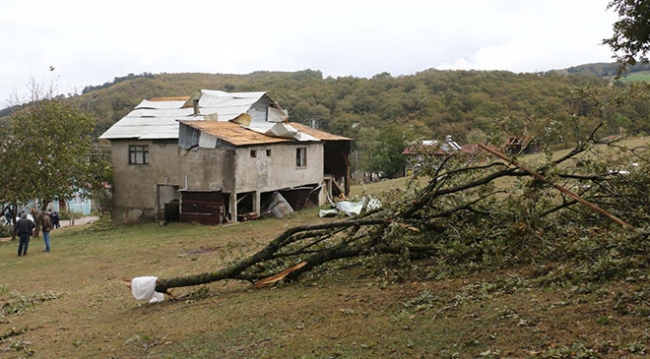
x: 48, y: 153
x: 467, y: 212
x: 631, y: 39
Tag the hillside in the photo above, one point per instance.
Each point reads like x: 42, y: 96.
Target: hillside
x: 607, y: 70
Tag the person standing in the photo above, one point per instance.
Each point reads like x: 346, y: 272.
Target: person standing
x: 24, y: 228
x: 9, y: 216
x: 46, y: 227
x: 56, y: 220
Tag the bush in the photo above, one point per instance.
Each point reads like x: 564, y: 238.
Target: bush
x: 5, y: 231
x: 104, y: 223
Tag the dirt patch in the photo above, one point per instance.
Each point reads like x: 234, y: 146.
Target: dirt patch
x: 203, y: 250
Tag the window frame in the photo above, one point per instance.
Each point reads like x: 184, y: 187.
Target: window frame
x: 138, y: 154
x: 301, y: 157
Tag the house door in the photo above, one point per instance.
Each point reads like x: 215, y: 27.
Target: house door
x: 167, y: 197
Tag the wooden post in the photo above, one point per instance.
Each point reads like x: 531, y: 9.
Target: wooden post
x: 562, y: 189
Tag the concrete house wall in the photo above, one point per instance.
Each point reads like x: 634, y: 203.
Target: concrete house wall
x: 264, y: 173
x: 235, y: 171
x: 134, y: 186
x: 207, y: 169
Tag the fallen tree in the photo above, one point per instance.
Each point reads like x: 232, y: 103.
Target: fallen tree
x: 495, y: 213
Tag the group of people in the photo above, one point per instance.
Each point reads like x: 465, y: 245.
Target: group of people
x: 26, y: 228
x: 7, y: 219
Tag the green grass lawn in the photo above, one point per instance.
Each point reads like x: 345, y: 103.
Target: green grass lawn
x: 637, y: 76
x: 73, y: 303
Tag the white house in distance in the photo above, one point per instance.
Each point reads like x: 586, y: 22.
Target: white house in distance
x: 216, y: 157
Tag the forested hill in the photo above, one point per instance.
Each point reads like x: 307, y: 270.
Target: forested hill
x: 603, y: 69
x: 436, y: 102
x: 429, y: 104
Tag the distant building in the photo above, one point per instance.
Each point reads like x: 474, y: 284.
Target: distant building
x: 78, y: 204
x: 521, y: 145
x: 419, y: 152
x: 431, y: 150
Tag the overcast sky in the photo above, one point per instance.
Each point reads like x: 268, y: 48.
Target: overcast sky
x: 90, y: 42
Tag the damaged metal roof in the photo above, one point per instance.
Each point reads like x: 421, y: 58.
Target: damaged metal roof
x: 156, y: 118
x: 321, y: 135
x: 226, y: 116
x: 240, y: 135
x: 233, y: 133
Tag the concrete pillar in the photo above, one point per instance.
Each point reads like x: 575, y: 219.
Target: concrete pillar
x: 257, y: 205
x: 233, y: 207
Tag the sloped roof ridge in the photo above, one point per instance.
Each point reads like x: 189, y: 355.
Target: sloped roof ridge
x: 156, y: 104
x: 219, y: 93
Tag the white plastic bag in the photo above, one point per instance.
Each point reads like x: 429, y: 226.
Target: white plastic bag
x: 143, y: 288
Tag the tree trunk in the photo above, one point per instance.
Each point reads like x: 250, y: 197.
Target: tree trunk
x: 291, y: 235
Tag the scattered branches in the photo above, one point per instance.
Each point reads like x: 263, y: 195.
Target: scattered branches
x: 494, y: 213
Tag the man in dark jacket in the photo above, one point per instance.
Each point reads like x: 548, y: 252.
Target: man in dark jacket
x: 24, y: 228
x: 56, y: 219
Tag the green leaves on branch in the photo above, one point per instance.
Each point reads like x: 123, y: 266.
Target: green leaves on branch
x: 631, y: 39
x: 48, y: 152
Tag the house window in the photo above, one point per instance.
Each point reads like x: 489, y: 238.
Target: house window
x: 253, y: 154
x: 138, y: 155
x: 301, y: 157
x: 268, y: 153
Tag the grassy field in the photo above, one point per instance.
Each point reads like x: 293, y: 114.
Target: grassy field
x: 637, y: 76
x: 73, y: 303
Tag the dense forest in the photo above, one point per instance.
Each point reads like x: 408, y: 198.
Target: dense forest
x: 384, y: 112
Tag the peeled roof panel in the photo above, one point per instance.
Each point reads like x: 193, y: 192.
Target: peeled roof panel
x: 321, y: 135
x: 285, y: 131
x: 262, y: 127
x: 233, y: 133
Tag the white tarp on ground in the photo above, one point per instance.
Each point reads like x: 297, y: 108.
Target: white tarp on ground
x: 351, y: 208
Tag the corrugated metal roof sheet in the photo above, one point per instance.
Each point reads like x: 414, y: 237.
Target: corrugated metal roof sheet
x: 153, y: 119
x: 221, y: 99
x: 233, y: 133
x: 321, y: 135
x: 280, y: 129
x: 160, y: 112
x: 160, y: 104
x: 239, y: 135
x: 158, y: 120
